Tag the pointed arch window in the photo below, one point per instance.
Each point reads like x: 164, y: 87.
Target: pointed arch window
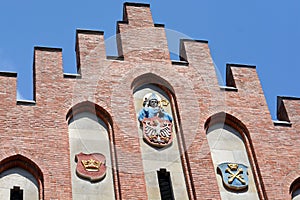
x: 20, y: 179
x: 295, y: 189
x: 90, y: 139
x: 157, y: 122
x: 16, y: 193
x: 233, y: 158
x: 165, y: 185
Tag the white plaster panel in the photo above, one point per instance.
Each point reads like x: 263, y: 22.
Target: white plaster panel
x: 220, y: 156
x: 226, y: 145
x: 296, y: 194
x: 238, y: 196
x: 88, y: 134
x: 156, y: 158
x: 23, y: 179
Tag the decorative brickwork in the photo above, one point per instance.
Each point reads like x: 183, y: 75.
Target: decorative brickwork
x: 38, y: 129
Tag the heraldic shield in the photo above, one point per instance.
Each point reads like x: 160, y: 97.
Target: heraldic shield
x: 157, y: 132
x: 235, y: 176
x: 90, y: 166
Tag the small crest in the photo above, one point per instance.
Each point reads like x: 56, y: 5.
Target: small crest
x: 157, y: 132
x: 91, y: 166
x: 234, y: 175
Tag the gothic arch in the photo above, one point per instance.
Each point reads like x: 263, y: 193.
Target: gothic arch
x: 154, y: 159
x: 20, y: 161
x: 295, y: 189
x: 230, y: 120
x: 150, y: 78
x: 153, y: 79
x: 233, y: 122
x: 87, y: 106
x: 98, y: 117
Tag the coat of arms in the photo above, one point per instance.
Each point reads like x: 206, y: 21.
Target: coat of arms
x: 156, y: 122
x: 235, y: 176
x: 157, y: 132
x: 91, y: 166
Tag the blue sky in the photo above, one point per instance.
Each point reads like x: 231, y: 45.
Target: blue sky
x: 262, y: 33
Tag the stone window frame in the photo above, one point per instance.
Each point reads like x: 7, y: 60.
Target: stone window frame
x: 156, y: 80
x: 16, y: 190
x: 163, y: 173
x: 295, y: 187
x: 19, y: 161
x: 241, y: 128
x: 102, y: 114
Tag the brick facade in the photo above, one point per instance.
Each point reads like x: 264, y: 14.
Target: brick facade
x: 38, y: 130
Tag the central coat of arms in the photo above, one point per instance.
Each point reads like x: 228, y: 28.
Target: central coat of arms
x: 156, y: 123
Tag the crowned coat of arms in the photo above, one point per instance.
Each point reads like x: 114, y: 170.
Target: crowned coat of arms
x: 234, y: 175
x: 157, y: 132
x: 90, y: 166
x: 156, y: 122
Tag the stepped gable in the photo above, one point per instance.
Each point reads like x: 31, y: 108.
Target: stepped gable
x: 38, y: 130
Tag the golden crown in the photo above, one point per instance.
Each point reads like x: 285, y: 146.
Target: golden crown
x: 91, y: 165
x: 164, y: 102
x: 233, y: 166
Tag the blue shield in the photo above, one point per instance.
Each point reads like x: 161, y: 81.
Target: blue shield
x: 234, y: 175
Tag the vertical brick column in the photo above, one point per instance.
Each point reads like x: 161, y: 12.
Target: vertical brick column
x: 90, y: 51
x: 48, y: 73
x: 8, y: 84
x: 140, y: 39
x: 197, y: 101
x: 47, y: 121
x: 287, y: 134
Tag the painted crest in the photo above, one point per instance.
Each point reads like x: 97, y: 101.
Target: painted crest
x: 235, y: 176
x: 156, y: 122
x: 90, y: 166
x: 157, y: 132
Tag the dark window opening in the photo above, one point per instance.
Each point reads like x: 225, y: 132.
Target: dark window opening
x: 165, y: 185
x: 16, y: 193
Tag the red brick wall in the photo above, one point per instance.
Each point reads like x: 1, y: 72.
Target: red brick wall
x: 39, y: 132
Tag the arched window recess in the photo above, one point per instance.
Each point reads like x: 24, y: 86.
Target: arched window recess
x: 92, y: 108
x: 92, y: 149
x: 295, y: 189
x: 23, y: 166
x: 226, y: 120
